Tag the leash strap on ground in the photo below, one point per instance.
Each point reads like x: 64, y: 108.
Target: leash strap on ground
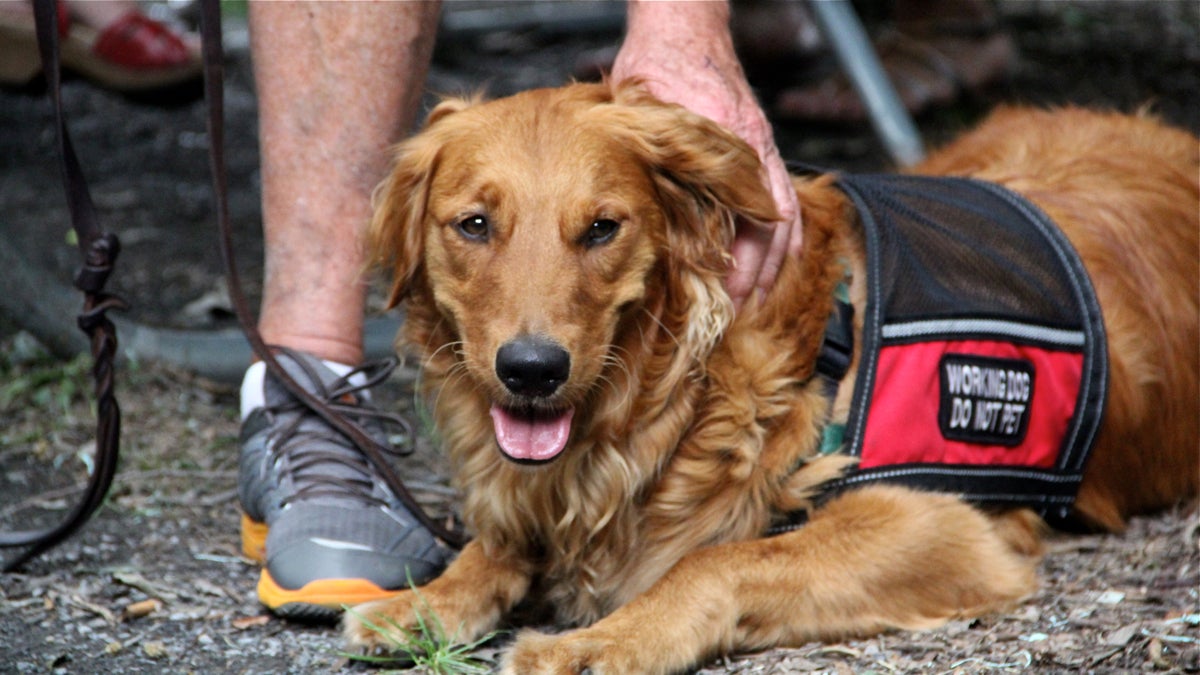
x: 99, y: 250
x: 210, y: 34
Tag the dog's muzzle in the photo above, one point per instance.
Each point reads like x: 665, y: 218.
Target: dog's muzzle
x: 532, y: 369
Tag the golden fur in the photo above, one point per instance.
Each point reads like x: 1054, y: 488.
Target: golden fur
x: 689, y: 424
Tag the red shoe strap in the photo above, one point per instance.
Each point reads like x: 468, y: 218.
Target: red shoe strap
x: 136, y: 41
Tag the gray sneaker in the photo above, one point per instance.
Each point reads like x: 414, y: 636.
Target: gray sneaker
x: 315, y: 510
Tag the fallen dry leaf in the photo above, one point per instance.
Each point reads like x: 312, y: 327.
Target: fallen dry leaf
x: 155, y: 650
x: 139, y: 609
x: 98, y: 610
x: 250, y: 621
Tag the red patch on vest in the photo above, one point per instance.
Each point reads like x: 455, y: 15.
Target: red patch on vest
x: 972, y: 402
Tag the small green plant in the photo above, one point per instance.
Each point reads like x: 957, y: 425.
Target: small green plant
x: 426, y: 646
x: 48, y: 384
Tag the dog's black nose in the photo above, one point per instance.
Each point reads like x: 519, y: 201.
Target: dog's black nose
x: 532, y: 366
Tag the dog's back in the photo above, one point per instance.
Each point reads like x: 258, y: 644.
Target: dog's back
x: 1125, y: 191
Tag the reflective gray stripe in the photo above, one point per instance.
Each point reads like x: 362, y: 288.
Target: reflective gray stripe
x: 1067, y: 338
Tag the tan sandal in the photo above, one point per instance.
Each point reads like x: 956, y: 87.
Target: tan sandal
x: 132, y: 54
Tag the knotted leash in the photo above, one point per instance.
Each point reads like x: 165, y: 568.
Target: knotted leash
x: 99, y: 250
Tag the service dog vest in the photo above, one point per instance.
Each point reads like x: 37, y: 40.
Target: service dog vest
x: 984, y: 363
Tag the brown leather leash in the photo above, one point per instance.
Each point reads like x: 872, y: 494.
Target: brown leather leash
x: 99, y: 250
x: 210, y: 35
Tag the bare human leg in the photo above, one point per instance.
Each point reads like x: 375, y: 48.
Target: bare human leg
x: 338, y: 83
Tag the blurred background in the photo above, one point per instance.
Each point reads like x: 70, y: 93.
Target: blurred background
x: 145, y: 155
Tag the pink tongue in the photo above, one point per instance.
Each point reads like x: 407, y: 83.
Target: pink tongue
x: 526, y: 439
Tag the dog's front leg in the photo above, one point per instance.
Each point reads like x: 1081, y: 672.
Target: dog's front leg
x: 873, y: 559
x: 467, y: 600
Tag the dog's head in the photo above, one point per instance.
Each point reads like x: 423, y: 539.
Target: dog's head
x: 552, y: 234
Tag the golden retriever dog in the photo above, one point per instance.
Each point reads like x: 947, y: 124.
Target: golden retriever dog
x: 623, y: 440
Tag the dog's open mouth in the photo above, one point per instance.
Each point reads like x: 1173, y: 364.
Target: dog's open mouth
x: 531, y: 436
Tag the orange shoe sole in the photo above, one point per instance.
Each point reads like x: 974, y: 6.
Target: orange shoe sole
x: 254, y: 539
x: 330, y: 594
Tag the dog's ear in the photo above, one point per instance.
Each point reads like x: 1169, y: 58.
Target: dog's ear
x: 708, y: 179
x: 395, y: 236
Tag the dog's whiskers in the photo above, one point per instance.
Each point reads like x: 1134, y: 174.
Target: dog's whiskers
x: 454, y: 345
x: 613, y: 362
x: 456, y: 372
x: 663, y: 326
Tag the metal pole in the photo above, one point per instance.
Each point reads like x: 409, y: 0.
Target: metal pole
x: 891, y: 121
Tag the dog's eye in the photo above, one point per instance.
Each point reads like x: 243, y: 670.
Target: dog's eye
x: 474, y: 228
x: 601, y: 232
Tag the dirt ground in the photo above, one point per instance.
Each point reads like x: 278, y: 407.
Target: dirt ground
x: 156, y: 582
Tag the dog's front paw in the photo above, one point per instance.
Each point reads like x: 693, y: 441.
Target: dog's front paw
x: 367, y: 626
x: 576, y: 653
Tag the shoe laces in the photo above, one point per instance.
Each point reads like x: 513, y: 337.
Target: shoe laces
x: 323, y: 462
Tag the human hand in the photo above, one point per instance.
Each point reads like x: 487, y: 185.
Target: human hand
x: 684, y: 54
